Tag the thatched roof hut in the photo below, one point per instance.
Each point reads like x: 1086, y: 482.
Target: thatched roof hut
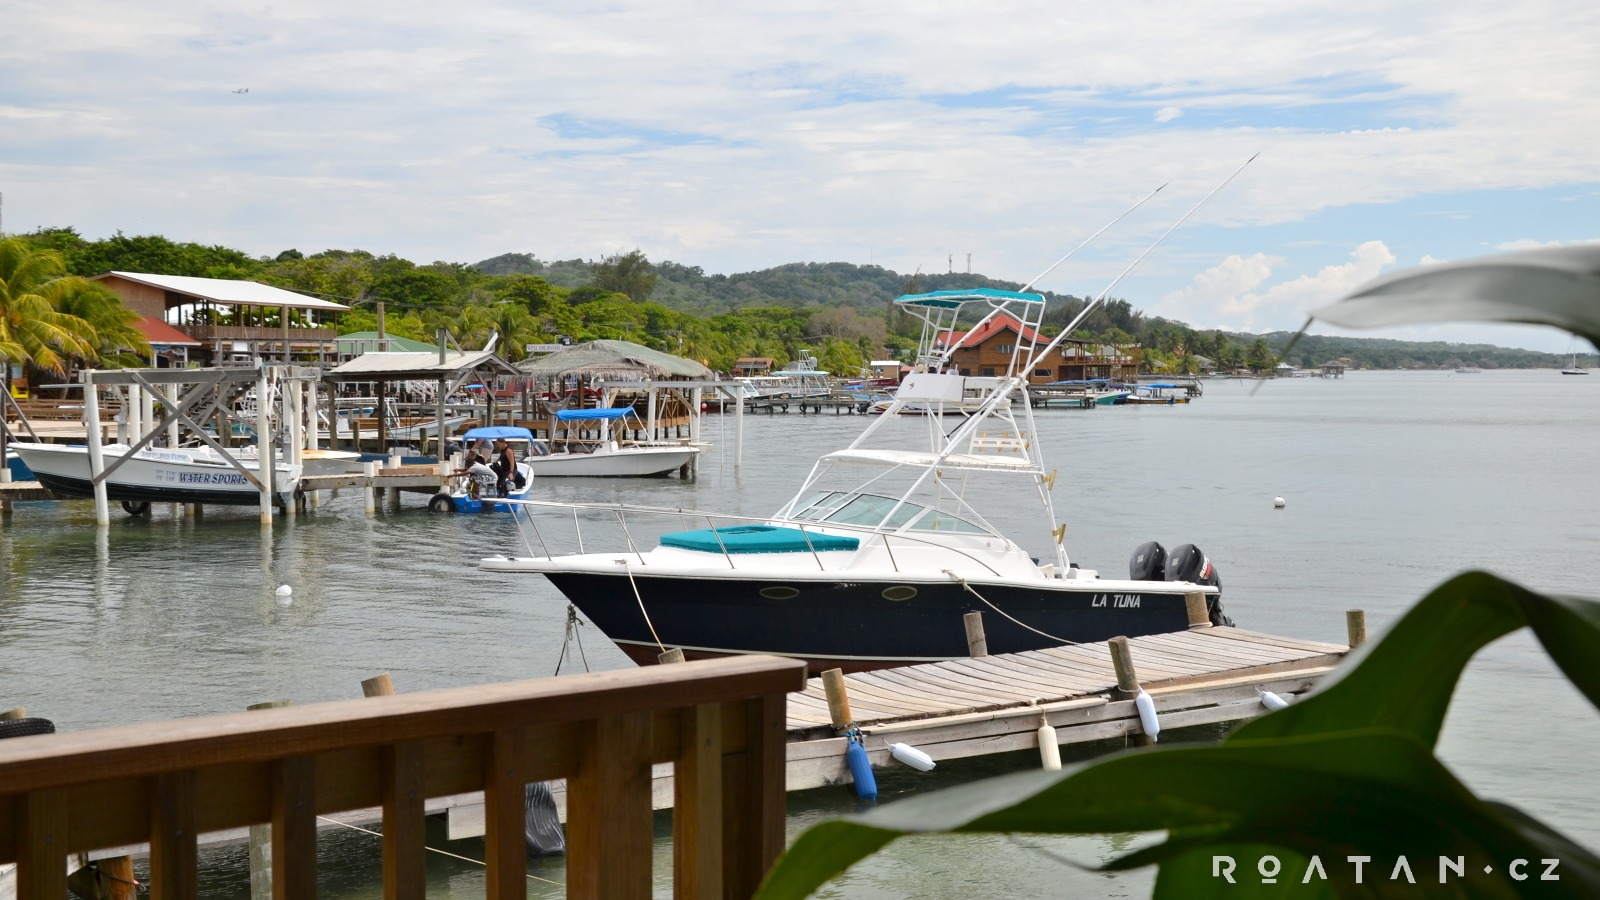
x: 613, y: 361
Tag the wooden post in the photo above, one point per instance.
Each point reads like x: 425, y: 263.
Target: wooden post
x: 260, y: 844
x: 977, y: 644
x: 674, y: 655
x: 697, y: 805
x: 608, y: 816
x: 1195, y: 603
x: 1127, y: 681
x: 838, y: 698
x: 378, y: 686
x: 404, y: 830
x: 1355, y: 624
x: 118, y: 870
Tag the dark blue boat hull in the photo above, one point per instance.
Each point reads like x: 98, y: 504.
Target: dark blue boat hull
x: 852, y: 625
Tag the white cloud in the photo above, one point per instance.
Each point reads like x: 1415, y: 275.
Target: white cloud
x: 1168, y: 113
x: 1226, y: 296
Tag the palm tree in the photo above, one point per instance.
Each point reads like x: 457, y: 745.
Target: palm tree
x: 33, y: 330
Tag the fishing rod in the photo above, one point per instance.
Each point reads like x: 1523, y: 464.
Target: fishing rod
x: 1090, y: 306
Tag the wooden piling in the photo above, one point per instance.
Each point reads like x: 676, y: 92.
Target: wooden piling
x: 378, y: 686
x: 117, y: 874
x: 1127, y: 682
x: 1199, y: 615
x: 1355, y: 625
x: 261, y: 836
x: 666, y: 657
x: 838, y: 698
x: 977, y: 643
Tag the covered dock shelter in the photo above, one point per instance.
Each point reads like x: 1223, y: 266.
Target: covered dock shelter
x: 445, y: 372
x: 608, y: 373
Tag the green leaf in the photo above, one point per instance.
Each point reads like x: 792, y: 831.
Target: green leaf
x: 1346, y: 771
x: 1557, y: 286
x: 1374, y: 793
x: 1405, y: 680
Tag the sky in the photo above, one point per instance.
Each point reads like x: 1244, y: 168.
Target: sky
x: 914, y: 136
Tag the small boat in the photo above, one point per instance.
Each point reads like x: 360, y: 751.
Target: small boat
x: 1467, y: 370
x: 165, y: 475
x: 886, y: 546
x: 1156, y: 393
x: 476, y: 491
x: 604, y: 456
x: 1573, y: 368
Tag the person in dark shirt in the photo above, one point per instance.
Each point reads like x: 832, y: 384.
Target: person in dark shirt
x: 504, y: 464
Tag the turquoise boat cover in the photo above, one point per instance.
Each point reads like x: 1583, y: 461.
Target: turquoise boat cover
x: 757, y: 539
x: 952, y: 299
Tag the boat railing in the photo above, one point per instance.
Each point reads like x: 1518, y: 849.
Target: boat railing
x: 719, y: 722
x: 639, y: 528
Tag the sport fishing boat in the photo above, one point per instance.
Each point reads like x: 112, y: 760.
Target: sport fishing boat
x: 887, y: 544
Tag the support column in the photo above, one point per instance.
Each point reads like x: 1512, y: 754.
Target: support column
x: 97, y: 462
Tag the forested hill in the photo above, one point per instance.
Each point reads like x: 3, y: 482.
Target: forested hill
x: 803, y: 285
x: 795, y: 285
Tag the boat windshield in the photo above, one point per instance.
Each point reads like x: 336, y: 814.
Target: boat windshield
x: 877, y: 511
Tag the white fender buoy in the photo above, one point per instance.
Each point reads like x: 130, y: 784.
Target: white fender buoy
x: 1272, y: 701
x: 1049, y: 748
x: 1278, y: 502
x: 1147, y: 714
x: 911, y: 756
x: 284, y: 590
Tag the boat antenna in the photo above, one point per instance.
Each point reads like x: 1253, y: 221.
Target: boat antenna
x: 1091, y: 237
x: 1090, y: 306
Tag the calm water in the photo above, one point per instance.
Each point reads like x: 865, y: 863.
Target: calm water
x: 1393, y: 482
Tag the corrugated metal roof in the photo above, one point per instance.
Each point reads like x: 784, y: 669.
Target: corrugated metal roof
x: 228, y: 291
x: 418, y: 365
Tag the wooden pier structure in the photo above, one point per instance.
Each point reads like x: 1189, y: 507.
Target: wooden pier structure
x: 627, y: 741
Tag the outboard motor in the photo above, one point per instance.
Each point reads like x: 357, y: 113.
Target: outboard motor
x: 1187, y: 563
x: 1149, y: 562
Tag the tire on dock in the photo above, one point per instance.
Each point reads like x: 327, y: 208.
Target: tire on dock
x: 441, y: 503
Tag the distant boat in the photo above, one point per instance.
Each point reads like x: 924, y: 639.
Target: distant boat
x: 604, y: 456
x: 1467, y: 370
x: 1574, y: 368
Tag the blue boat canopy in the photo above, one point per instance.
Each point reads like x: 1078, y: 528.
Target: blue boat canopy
x: 577, y: 415
x: 954, y: 299
x: 757, y: 539
x: 490, y: 432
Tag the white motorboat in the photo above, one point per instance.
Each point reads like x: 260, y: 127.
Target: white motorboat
x: 175, y: 475
x: 604, y: 455
x: 884, y: 549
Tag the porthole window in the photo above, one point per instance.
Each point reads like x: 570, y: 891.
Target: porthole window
x: 779, y: 592
x: 899, y: 592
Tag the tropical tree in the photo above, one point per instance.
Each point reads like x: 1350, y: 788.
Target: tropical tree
x: 34, y: 331
x: 626, y: 273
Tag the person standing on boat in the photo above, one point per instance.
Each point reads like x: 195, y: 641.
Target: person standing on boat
x: 504, y: 464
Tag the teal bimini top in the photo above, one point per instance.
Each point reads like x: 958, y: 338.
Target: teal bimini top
x: 757, y: 539
x: 953, y: 299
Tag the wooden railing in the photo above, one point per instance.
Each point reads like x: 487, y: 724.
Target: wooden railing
x: 720, y: 722
x: 257, y: 332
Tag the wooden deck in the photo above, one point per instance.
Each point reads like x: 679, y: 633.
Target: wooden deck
x: 995, y: 704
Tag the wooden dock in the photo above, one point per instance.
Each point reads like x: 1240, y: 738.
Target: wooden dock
x: 987, y: 705
x: 995, y: 704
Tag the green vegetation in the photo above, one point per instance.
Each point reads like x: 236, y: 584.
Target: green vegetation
x: 839, y: 312
x: 50, y: 319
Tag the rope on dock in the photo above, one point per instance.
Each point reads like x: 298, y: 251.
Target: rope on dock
x: 434, y: 849
x: 1014, y: 620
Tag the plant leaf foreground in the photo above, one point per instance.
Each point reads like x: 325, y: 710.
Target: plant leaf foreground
x: 1346, y: 772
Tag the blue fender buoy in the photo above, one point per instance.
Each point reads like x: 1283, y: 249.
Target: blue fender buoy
x: 861, y: 770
